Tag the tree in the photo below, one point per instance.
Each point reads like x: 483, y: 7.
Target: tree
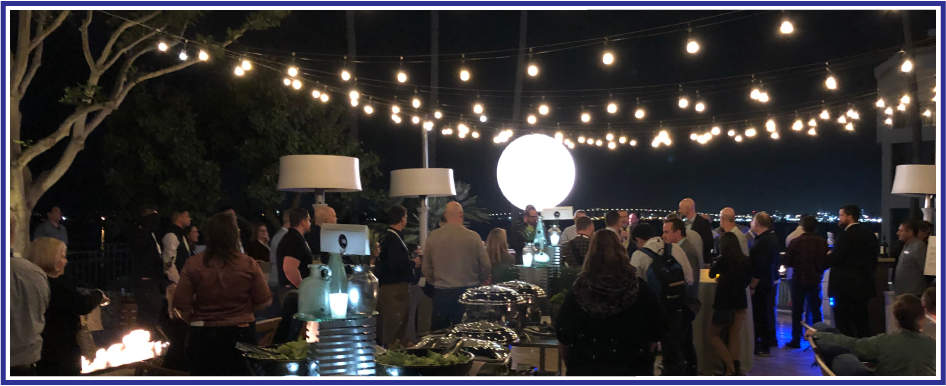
x: 436, y: 206
x: 130, y: 35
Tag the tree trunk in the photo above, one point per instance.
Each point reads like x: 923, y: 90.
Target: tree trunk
x: 20, y: 212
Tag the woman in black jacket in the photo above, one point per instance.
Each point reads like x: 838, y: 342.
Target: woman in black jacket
x: 61, y: 354
x: 609, y: 323
x: 729, y: 307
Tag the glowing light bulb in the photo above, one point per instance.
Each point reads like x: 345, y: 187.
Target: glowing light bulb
x: 287, y: 82
x: 238, y: 71
x: 346, y: 75
x: 715, y: 130
x: 738, y: 138
x: 609, y: 137
x: 585, y: 117
x: 849, y: 127
x: 693, y: 47
x: 354, y: 103
x: 401, y: 77
x: 162, y: 46
x: 395, y: 109
x: 905, y: 100
x: 415, y: 103
x: 183, y: 55
x: 787, y: 27
x: 581, y: 139
x: 880, y: 103
x: 889, y: 111
x: 543, y: 109
x: 533, y: 70
x: 599, y: 142
x: 699, y: 107
x: 531, y: 119
x: 731, y: 133
x: 770, y: 126
x: 889, y: 121
x: 395, y: 118
x: 824, y: 115
x: 775, y: 135
x: 559, y: 136
x: 293, y: 71
x: 483, y: 118
x: 246, y: 65
x: 622, y: 140
x: 798, y: 125
x: 633, y: 142
x: 415, y: 120
x: 812, y: 132
x: 612, y: 108
x: 842, y: 120
x: 607, y: 58
x: 683, y: 103
x: 447, y: 131
x: 428, y: 125
x: 478, y: 108
x: 831, y: 83
x: 369, y: 110
x: 853, y: 114
x: 754, y: 94
x: 902, y: 107
x: 693, y: 136
x: 907, y: 66
x: 612, y: 145
x: 927, y: 113
x: 812, y: 122
x: 655, y: 143
x: 750, y: 132
x: 353, y: 95
x: 438, y: 114
x: 464, y: 75
x: 639, y: 114
x: 297, y: 84
x: 764, y: 97
x: 475, y: 134
x: 203, y: 56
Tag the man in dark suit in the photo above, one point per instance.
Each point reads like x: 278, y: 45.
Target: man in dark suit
x: 699, y: 225
x: 516, y: 238
x: 765, y: 258
x: 851, y: 283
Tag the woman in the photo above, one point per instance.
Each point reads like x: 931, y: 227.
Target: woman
x: 258, y: 248
x: 218, y: 293
x: 192, y: 236
x: 734, y: 273
x: 609, y: 323
x: 498, y: 251
x: 61, y: 354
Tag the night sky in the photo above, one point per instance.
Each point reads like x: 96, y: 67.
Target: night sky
x: 794, y: 174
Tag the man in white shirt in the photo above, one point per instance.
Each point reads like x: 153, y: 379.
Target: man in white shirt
x: 727, y: 223
x: 645, y: 237
x: 795, y: 233
x: 29, y: 298
x: 612, y: 222
x: 571, y: 231
x: 174, y: 249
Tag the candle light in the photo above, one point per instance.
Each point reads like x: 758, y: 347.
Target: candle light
x: 339, y: 305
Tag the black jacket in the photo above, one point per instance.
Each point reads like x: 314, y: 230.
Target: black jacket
x: 516, y: 241
x: 147, y: 260
x: 394, y: 263
x: 61, y: 354
x: 852, y: 262
x: 703, y: 227
x: 765, y: 258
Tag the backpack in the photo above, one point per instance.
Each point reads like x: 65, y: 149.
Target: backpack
x: 665, y: 276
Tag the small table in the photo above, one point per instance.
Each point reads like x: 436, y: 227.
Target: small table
x: 542, y: 343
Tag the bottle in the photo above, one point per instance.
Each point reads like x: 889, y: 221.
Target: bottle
x: 884, y: 248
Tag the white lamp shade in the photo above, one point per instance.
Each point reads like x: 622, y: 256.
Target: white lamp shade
x: 305, y: 173
x: 430, y: 182
x: 914, y: 180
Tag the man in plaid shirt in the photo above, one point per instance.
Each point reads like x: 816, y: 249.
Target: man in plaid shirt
x: 806, y: 254
x: 574, y: 251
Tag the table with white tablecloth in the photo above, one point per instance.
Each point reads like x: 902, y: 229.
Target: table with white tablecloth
x: 708, y: 361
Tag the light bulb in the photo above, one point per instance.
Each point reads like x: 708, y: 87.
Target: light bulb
x: 461, y: 135
x: 395, y: 109
x: 764, y: 97
x: 369, y: 110
x: 464, y: 75
x: 475, y: 134
x: 581, y: 139
x: 478, y: 108
x: 287, y: 81
x: 612, y: 108
x: 203, y: 56
x: 559, y: 136
x: 585, y: 117
x: 812, y: 132
x: 770, y: 126
x: 612, y: 145
x: 415, y: 120
x: 842, y: 120
x: 531, y: 119
x: 853, y: 114
x: 571, y: 145
x: 353, y: 95
x: 297, y: 84
x: 639, y: 114
x: 401, y: 77
x: 798, y: 125
x: 655, y: 143
x: 824, y: 115
x: 831, y: 83
x: 483, y: 118
x: 324, y: 97
x: 715, y: 130
x: 354, y: 103
x: 849, y: 127
x: 238, y: 71
x: 533, y: 70
x: 395, y: 118
x: 902, y: 107
x: 293, y: 71
x: 754, y: 94
x: 183, y: 55
x: 905, y: 100
x: 693, y: 47
x: 599, y: 142
x: 607, y: 58
x: 693, y: 136
x: 927, y: 113
x: 750, y: 132
x: 738, y: 138
x: 447, y: 131
x: 428, y: 125
x: 609, y: 137
x: 889, y: 121
x: 787, y: 27
x: 907, y: 66
x: 415, y: 103
x: 246, y: 65
x: 633, y: 142
x: 775, y: 135
x: 880, y: 103
x: 699, y: 107
x: 731, y: 133
x: 162, y: 46
x: 438, y: 114
x: 683, y: 103
x: 346, y: 75
x: 622, y: 140
x: 812, y: 122
x: 543, y: 109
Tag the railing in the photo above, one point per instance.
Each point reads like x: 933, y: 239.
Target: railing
x: 104, y: 269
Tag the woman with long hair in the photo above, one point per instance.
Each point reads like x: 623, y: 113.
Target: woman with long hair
x: 733, y: 272
x: 61, y: 354
x: 609, y: 323
x: 258, y: 247
x: 217, y: 295
x: 497, y: 249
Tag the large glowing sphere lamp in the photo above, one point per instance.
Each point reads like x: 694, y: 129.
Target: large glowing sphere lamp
x: 520, y: 184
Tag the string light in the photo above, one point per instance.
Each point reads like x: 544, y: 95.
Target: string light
x: 813, y: 123
x: 889, y: 121
x: 354, y: 103
x: 475, y: 134
x: 292, y: 71
x: 544, y: 109
x: 693, y: 47
x: 812, y: 132
x: 533, y: 70
x: 428, y: 125
x: 203, y: 56
x: 346, y: 75
x: 607, y: 58
x: 415, y: 120
x: 297, y: 84
x: 395, y: 118
x: 246, y: 65
x: 612, y: 145
x: 700, y: 107
x: 889, y: 111
x: 599, y: 142
x: 415, y: 103
x: 683, y: 103
x: 464, y: 75
x: 559, y: 136
x: 438, y: 114
x: 162, y: 46
x: 581, y: 139
x: 483, y: 118
x: 731, y: 133
x: 478, y: 108
x: 907, y: 66
x: 770, y: 126
x: 369, y: 110
x: 461, y: 135
x: 609, y: 137
x: 183, y: 55
x: 853, y: 114
x: 750, y: 132
x: 927, y: 113
x: 825, y: 115
x: 849, y: 127
x: 764, y: 97
x: 905, y: 100
x: 902, y: 107
x: 639, y: 114
x: 353, y: 94
x: 401, y: 77
x: 775, y: 135
x: 622, y: 140
x: 238, y: 71
x: 880, y: 103
x: 585, y: 117
x: 633, y: 142
x: 395, y: 109
x: 324, y: 97
x: 693, y: 136
x: 715, y: 130
x: 842, y: 120
x: 738, y: 138
x: 787, y: 27
x: 447, y: 131
x: 612, y: 108
x: 798, y: 125
x: 463, y: 128
x: 755, y: 94
x: 287, y: 81
x: 531, y: 119
x: 831, y: 83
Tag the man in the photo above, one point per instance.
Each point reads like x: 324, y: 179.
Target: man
x: 175, y: 250
x: 672, y: 342
x: 765, y: 259
x: 673, y: 231
x: 29, y: 298
x: 395, y: 272
x: 852, y: 263
x: 908, y: 277
x: 632, y: 220
x: 799, y: 230
x: 612, y: 222
x: 926, y: 229
x: 455, y: 260
x: 699, y: 224
x: 52, y: 227
x: 727, y: 223
x: 573, y: 252
x: 148, y: 269
x: 625, y: 222
x: 572, y: 230
x: 324, y: 214
x: 274, y: 268
x: 806, y: 256
x: 517, y: 239
x: 293, y: 257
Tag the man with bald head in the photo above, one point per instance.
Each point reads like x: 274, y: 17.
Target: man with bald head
x: 324, y: 214
x: 727, y: 223
x: 698, y: 224
x: 454, y: 261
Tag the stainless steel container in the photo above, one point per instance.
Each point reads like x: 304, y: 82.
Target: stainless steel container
x: 495, y: 357
x: 342, y: 347
x: 493, y: 304
x: 530, y: 312
x: 485, y: 331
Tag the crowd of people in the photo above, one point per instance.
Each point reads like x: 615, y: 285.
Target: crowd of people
x: 637, y: 287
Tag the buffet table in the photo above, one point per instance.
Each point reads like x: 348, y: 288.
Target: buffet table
x: 708, y: 361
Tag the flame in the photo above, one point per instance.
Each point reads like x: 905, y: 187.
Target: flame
x: 135, y: 347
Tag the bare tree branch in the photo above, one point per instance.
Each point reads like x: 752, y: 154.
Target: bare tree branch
x: 21, y: 60
x: 125, y: 49
x: 34, y: 66
x: 118, y: 33
x: 51, y: 140
x: 42, y: 34
x: 46, y: 179
x: 122, y: 77
x: 86, y: 51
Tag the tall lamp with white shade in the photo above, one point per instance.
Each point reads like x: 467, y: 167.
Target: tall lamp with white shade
x: 917, y: 181
x: 320, y: 174
x: 423, y: 183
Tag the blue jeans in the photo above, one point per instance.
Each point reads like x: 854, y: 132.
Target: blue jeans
x: 801, y: 294
x: 447, y: 308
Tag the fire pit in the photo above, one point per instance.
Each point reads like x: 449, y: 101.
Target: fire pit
x: 135, y: 347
